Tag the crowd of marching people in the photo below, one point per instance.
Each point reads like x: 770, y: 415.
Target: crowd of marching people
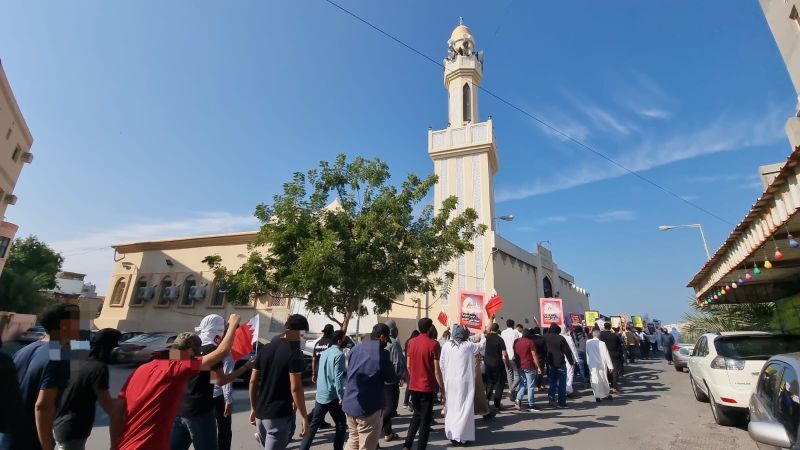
x: 51, y: 387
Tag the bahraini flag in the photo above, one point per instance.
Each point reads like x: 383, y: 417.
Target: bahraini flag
x: 246, y: 336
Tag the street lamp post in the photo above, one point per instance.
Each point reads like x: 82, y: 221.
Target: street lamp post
x: 507, y: 218
x: 691, y: 225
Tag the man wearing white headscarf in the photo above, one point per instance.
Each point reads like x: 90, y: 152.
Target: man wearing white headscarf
x: 196, y: 423
x: 211, y: 334
x: 458, y: 371
x: 570, y: 367
x: 600, y: 364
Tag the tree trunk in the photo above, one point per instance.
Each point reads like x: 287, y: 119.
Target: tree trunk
x: 346, y: 319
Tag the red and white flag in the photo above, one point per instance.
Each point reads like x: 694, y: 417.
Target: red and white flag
x: 246, y: 336
x: 495, y: 304
x: 442, y: 318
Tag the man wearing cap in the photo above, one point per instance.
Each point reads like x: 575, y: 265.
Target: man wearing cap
x: 369, y: 369
x: 196, y: 422
x: 276, y: 386
x: 151, y: 397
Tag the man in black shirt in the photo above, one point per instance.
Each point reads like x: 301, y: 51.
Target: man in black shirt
x: 614, y: 346
x: 541, y: 354
x: 12, y: 398
x: 196, y: 424
x: 495, y: 361
x: 276, y: 384
x: 88, y: 384
x: 558, y: 353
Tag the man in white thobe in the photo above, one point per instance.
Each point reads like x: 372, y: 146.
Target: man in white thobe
x: 600, y: 364
x: 570, y: 368
x: 458, y: 371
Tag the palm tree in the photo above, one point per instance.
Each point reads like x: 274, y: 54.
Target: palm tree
x: 730, y: 317
x: 21, y: 291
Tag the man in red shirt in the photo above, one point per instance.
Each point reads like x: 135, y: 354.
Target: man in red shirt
x: 149, y: 401
x: 425, y: 374
x: 528, y: 363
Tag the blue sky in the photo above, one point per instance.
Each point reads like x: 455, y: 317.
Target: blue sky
x: 160, y: 119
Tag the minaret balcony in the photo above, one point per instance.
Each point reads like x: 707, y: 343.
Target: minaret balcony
x: 453, y: 138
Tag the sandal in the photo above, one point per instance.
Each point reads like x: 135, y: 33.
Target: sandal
x: 391, y: 437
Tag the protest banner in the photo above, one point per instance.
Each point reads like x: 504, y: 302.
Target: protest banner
x: 470, y: 310
x: 551, y: 311
x: 591, y: 317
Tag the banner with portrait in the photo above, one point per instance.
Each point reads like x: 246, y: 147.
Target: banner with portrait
x: 637, y: 322
x: 574, y: 319
x: 616, y: 321
x: 591, y: 317
x: 470, y: 310
x: 551, y: 311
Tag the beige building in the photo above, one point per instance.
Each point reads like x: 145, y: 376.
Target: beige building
x: 163, y: 285
x: 15, y: 145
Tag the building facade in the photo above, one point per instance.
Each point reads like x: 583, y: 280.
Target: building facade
x: 760, y: 259
x: 150, y: 287
x: 15, y: 145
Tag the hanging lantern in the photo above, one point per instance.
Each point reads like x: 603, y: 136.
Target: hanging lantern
x: 756, y: 271
x: 740, y: 280
x: 716, y: 297
x: 727, y: 288
x: 767, y: 264
x: 793, y: 243
x: 748, y: 277
x: 734, y: 285
x: 778, y: 255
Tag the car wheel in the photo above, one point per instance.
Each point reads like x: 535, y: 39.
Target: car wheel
x: 698, y: 394
x: 679, y: 368
x: 721, y: 416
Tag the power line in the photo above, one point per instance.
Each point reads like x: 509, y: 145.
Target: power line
x: 539, y: 120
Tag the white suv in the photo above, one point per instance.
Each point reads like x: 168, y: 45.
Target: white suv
x: 724, y: 368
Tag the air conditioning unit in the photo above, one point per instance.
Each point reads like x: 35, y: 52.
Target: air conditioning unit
x: 146, y: 292
x: 27, y: 157
x: 172, y: 292
x: 197, y: 292
x: 11, y: 199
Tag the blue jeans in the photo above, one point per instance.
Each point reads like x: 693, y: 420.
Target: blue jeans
x: 558, y: 379
x: 200, y: 431
x: 274, y: 433
x: 527, y: 381
x: 318, y: 416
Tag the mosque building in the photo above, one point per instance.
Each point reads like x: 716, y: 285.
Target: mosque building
x: 164, y: 285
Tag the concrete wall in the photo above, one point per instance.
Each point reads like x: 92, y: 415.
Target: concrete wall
x: 14, y: 134
x: 786, y: 30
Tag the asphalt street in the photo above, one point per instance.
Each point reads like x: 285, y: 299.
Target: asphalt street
x: 656, y: 410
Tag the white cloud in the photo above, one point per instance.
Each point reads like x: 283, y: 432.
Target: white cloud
x: 723, y: 134
x: 564, y: 123
x: 653, y: 113
x: 606, y: 121
x: 91, y: 253
x: 615, y: 216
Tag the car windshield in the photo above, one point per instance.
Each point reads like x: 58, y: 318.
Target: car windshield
x: 145, y: 338
x: 36, y: 330
x: 756, y: 347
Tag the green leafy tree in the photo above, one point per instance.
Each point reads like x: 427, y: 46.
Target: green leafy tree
x: 728, y: 317
x: 31, y: 254
x: 371, y: 243
x: 30, y: 270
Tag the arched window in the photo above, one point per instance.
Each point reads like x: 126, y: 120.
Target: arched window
x: 117, y: 295
x: 162, y: 295
x: 548, y: 287
x: 466, y: 97
x: 188, y: 284
x: 138, y: 299
x: 218, y: 299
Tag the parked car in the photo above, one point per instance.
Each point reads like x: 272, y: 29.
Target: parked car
x: 140, y: 349
x: 32, y: 334
x: 245, y: 377
x: 775, y: 403
x: 680, y: 355
x: 724, y: 368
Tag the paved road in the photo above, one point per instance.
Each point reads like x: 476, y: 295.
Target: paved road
x: 656, y: 410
